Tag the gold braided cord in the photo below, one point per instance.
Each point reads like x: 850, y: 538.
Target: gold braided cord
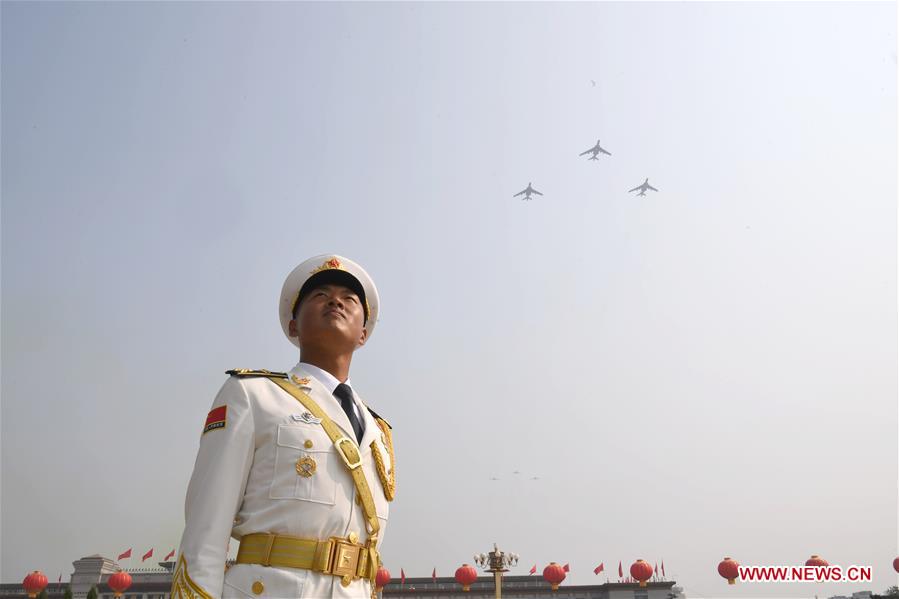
x: 387, y: 481
x: 182, y: 585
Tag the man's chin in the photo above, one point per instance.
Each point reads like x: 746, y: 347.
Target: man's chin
x: 329, y: 338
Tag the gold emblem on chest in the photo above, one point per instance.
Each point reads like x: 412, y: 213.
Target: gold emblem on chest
x: 306, y: 466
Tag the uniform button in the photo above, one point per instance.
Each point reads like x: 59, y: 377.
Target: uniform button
x: 258, y: 587
x: 308, y: 444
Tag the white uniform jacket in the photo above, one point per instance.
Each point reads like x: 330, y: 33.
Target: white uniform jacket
x: 245, y: 481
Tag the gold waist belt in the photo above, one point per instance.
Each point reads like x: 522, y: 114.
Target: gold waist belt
x: 336, y: 556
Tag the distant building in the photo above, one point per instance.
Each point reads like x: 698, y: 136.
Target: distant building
x: 529, y: 587
x: 859, y: 595
x: 155, y: 583
x: 147, y: 583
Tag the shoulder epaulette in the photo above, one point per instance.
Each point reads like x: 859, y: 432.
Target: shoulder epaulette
x: 248, y: 372
x: 375, y: 414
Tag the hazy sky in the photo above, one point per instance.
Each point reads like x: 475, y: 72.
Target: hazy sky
x: 707, y: 371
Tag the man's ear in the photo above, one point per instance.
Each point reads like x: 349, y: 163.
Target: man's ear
x: 362, y: 339
x: 292, y: 328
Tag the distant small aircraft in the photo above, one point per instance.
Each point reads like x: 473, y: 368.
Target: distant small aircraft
x: 643, y: 187
x: 516, y: 472
x: 493, y: 478
x: 595, y: 150
x: 535, y: 478
x: 527, y: 192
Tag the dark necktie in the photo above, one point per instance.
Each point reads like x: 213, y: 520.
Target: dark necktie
x: 345, y: 395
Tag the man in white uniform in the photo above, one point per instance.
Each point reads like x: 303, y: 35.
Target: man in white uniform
x: 294, y: 465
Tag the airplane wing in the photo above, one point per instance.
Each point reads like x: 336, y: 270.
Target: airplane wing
x: 648, y: 186
x: 537, y: 192
x: 604, y: 152
x: 634, y: 189
x: 519, y: 193
x: 585, y: 152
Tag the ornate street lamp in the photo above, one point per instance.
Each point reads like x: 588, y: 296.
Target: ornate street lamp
x: 497, y: 562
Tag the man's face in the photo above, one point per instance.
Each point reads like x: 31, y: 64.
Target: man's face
x: 330, y: 316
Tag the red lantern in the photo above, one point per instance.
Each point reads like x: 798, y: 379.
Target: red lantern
x: 382, y: 578
x: 896, y: 564
x: 119, y: 582
x: 34, y: 583
x: 642, y: 571
x: 466, y: 575
x: 816, y: 561
x: 554, y: 574
x: 729, y: 569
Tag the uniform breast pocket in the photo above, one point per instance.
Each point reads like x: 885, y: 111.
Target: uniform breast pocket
x: 304, y: 464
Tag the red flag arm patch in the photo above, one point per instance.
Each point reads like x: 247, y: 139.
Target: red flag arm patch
x: 216, y: 419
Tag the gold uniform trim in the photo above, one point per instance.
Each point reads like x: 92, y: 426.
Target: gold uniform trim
x: 182, y: 585
x: 387, y: 481
x: 249, y: 372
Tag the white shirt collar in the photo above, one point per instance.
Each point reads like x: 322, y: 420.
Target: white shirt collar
x: 323, y: 376
x: 330, y: 382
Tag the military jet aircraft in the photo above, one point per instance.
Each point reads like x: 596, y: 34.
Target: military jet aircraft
x: 527, y: 192
x: 643, y: 187
x: 595, y: 150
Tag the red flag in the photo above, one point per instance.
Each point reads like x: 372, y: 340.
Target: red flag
x: 147, y: 555
x: 125, y: 554
x: 402, y: 577
x: 663, y: 567
x: 566, y: 568
x: 620, y: 571
x: 434, y: 575
x: 599, y: 569
x: 170, y: 555
x: 533, y: 570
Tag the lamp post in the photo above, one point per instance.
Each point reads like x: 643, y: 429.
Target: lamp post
x: 497, y: 562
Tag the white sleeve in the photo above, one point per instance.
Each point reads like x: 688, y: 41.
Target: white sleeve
x: 215, y: 493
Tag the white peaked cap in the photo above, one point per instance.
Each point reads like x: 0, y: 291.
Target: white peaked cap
x: 331, y: 264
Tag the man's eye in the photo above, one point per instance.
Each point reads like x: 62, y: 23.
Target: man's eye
x: 351, y: 298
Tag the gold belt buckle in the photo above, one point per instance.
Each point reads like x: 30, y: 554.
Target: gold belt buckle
x: 351, y: 464
x: 344, y: 559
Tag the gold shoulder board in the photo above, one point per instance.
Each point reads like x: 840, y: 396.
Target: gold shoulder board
x: 377, y: 417
x: 247, y: 372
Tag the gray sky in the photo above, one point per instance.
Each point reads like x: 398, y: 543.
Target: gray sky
x: 709, y: 370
